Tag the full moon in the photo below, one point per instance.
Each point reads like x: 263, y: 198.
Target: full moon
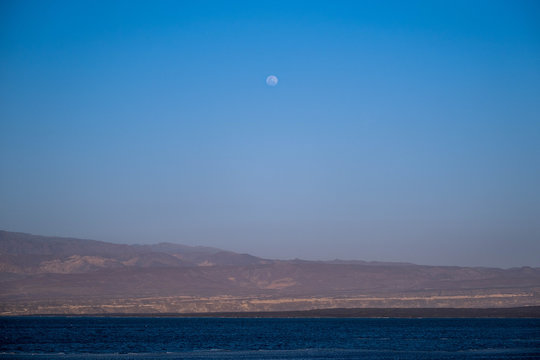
x: 272, y: 80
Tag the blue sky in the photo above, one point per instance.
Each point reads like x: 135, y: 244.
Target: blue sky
x: 398, y: 131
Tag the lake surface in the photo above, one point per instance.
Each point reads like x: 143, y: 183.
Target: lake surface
x: 214, y: 338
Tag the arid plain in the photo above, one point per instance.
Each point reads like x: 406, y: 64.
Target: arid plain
x: 49, y: 275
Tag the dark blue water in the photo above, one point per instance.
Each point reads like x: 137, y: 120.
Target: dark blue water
x: 212, y: 338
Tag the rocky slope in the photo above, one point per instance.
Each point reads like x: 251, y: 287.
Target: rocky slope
x: 59, y: 275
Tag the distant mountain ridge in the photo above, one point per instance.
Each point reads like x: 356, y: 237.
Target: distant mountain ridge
x: 32, y: 254
x: 41, y: 274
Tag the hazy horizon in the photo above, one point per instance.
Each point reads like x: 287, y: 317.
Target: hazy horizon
x: 393, y: 131
x: 278, y: 257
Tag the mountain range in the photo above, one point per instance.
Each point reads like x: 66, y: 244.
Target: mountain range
x: 54, y: 275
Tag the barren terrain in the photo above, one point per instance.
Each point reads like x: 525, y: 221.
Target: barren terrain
x: 45, y: 275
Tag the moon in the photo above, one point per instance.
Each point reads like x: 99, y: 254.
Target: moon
x: 272, y: 80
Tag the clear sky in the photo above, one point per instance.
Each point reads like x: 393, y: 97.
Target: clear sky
x: 398, y: 130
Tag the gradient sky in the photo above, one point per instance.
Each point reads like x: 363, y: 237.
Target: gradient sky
x: 398, y: 131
